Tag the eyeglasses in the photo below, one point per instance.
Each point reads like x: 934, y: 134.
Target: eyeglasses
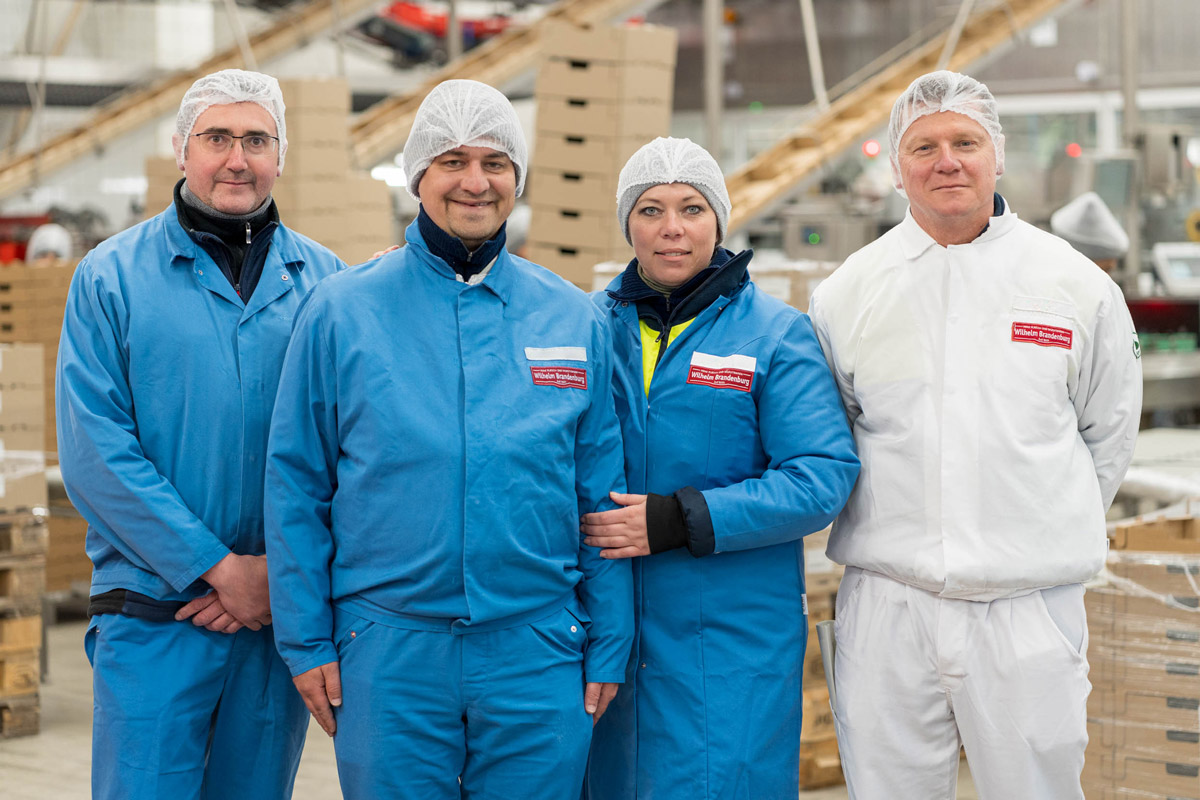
x: 253, y: 144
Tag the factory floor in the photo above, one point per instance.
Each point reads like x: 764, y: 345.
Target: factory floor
x: 55, y: 764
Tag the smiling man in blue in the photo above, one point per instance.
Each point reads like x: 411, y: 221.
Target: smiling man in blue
x: 444, y: 419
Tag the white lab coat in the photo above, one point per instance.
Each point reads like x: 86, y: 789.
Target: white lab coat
x: 994, y: 390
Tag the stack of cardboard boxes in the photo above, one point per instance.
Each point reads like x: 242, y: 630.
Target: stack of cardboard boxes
x: 318, y: 194
x: 602, y: 92
x: 1144, y: 631
x: 32, y: 302
x: 22, y: 535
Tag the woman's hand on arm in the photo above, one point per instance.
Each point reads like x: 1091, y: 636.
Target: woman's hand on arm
x: 621, y: 532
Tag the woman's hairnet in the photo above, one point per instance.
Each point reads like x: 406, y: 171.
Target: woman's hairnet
x: 1088, y: 224
x: 672, y: 161
x: 461, y: 113
x: 944, y: 91
x: 223, y: 88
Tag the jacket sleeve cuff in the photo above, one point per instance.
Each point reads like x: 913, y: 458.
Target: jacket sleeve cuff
x: 665, y: 528
x: 701, y: 540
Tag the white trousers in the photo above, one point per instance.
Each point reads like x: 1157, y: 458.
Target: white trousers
x: 917, y: 675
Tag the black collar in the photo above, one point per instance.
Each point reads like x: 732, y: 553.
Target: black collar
x: 452, y: 250
x: 725, y: 276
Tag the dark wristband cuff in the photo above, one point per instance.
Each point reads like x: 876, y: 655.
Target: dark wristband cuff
x: 665, y: 528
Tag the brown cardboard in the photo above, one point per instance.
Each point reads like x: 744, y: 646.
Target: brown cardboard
x: 585, y: 152
x: 648, y: 44
x: 316, y: 160
x: 794, y: 284
x: 307, y: 94
x: 1148, y: 740
x: 571, y: 227
x: 623, y: 82
x: 19, y: 716
x: 1163, y: 535
x: 1107, y: 767
x: 22, y: 581
x: 67, y: 563
x: 820, y: 764
x: 309, y: 126
x: 573, y: 263
x: 576, y: 114
x: 593, y: 191
x: 1161, y: 573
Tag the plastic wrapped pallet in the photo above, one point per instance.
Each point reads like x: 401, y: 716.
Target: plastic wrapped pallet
x: 1144, y: 632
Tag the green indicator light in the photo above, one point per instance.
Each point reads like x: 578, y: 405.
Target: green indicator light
x: 756, y: 107
x: 814, y: 238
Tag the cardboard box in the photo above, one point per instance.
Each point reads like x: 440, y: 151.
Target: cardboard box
x: 1180, y: 535
x: 585, y: 152
x: 299, y: 196
x: 1161, y: 573
x: 573, y: 227
x: 317, y: 160
x: 606, y: 80
x: 67, y: 562
x: 309, y: 126
x: 307, y: 94
x: 612, y: 118
x: 1105, y: 767
x: 1154, y: 741
x: 572, y: 263
x: 793, y: 283
x: 646, y: 44
x: 591, y: 191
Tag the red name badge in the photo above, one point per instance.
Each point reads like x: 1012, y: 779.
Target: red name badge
x: 1044, y: 335
x: 562, y: 377
x: 722, y: 378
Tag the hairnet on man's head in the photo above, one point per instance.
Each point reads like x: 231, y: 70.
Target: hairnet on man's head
x: 462, y: 113
x: 668, y: 160
x: 944, y: 91
x: 223, y: 88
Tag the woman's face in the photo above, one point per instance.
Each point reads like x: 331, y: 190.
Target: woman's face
x: 674, y: 232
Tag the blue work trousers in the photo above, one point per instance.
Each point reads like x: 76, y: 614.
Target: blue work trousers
x: 182, y: 713
x: 435, y: 715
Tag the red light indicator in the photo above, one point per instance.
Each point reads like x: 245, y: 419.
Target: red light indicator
x: 1074, y: 150
x: 871, y: 148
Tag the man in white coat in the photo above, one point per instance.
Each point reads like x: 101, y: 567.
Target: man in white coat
x: 991, y: 377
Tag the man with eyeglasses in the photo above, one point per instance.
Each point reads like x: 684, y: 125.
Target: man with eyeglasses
x: 171, y: 350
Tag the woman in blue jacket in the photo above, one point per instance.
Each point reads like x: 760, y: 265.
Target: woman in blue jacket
x: 736, y: 446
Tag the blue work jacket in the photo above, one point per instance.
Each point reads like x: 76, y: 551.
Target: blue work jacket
x: 434, y: 446
x: 166, y: 382
x: 742, y: 408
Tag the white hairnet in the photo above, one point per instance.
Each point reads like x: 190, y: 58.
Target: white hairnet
x: 668, y: 160
x: 49, y: 240
x: 1088, y: 224
x: 944, y: 91
x: 461, y: 113
x: 223, y: 88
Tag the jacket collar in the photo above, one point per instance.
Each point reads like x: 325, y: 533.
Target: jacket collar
x: 499, y: 277
x: 725, y: 276
x: 184, y: 248
x: 914, y: 241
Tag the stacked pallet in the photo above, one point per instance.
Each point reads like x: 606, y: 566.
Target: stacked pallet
x: 1144, y: 626
x: 22, y: 535
x: 32, y: 301
x: 820, y: 764
x: 602, y: 93
x: 318, y: 195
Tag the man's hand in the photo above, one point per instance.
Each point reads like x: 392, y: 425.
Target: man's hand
x: 208, y: 612
x: 621, y: 532
x: 597, y: 696
x: 379, y: 253
x: 241, y: 586
x: 321, y: 688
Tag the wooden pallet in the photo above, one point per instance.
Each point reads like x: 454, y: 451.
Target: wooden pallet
x: 19, y: 716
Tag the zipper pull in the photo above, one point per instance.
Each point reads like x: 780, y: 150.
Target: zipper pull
x: 247, y: 233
